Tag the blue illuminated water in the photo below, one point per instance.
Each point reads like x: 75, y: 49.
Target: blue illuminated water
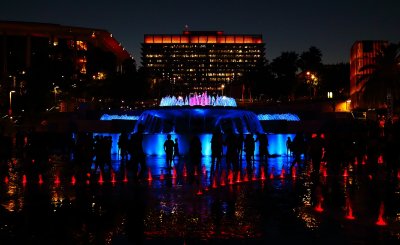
x: 153, y: 143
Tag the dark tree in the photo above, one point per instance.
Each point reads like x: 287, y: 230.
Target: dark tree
x: 284, y: 69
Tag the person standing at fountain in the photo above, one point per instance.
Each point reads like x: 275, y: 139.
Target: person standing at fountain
x: 249, y: 147
x: 262, y: 147
x: 240, y: 147
x: 232, y: 155
x: 176, y: 150
x: 138, y: 156
x: 216, y: 151
x: 169, y: 150
x: 195, y: 156
x: 123, y: 145
x: 315, y: 153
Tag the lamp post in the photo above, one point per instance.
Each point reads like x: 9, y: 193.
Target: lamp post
x: 10, y: 109
x: 55, y: 94
x: 222, y: 89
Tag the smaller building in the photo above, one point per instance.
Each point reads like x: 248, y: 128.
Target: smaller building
x: 362, y: 53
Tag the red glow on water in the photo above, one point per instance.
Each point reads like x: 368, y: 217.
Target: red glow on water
x: 246, y: 176
x: 238, y: 177
x: 223, y: 176
x: 73, y: 180
x: 195, y: 172
x: 319, y: 207
x: 271, y: 176
x: 294, y: 172
x: 349, y: 210
x: 325, y: 173
x: 355, y: 161
x: 6, y: 180
x: 204, y: 170
x: 230, y: 177
x: 57, y: 180
x: 282, y: 176
x: 113, y: 177
x: 380, y: 159
x: 24, y: 179
x: 174, y: 174
x: 398, y: 174
x: 199, y: 191
x: 214, y: 184
x: 364, y: 160
x: 184, y: 170
x: 40, y: 179
x: 262, y: 173
x: 345, y: 174
x: 33, y: 161
x: 162, y: 175
x: 125, y: 176
x: 101, y: 181
x: 381, y: 221
x: 149, y: 176
x: 254, y: 176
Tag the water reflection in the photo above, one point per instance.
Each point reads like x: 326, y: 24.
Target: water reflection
x: 169, y: 207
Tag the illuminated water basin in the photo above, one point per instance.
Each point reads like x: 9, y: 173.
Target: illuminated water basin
x: 153, y: 143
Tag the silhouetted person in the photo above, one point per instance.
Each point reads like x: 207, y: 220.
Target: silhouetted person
x: 288, y: 145
x: 169, y: 150
x: 315, y: 152
x: 195, y: 154
x: 297, y: 148
x: 249, y: 147
x: 123, y: 146
x: 232, y: 155
x: 176, y: 149
x: 262, y: 146
x: 216, y: 151
x: 138, y: 156
x: 240, y: 147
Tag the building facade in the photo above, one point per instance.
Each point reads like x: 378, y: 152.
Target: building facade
x: 62, y: 56
x: 362, y: 53
x: 201, y: 60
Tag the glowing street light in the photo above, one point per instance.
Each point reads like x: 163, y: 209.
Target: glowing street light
x: 222, y: 89
x: 55, y: 94
x: 10, y: 109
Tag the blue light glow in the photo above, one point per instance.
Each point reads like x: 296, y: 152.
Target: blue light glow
x: 153, y: 144
x: 277, y: 117
x: 107, y: 117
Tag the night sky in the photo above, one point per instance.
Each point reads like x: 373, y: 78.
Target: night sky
x: 286, y: 25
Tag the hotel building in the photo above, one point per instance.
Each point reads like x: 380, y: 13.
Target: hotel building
x: 362, y: 53
x: 201, y: 60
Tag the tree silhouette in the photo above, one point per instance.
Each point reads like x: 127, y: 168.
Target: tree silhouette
x: 284, y: 69
x: 382, y: 86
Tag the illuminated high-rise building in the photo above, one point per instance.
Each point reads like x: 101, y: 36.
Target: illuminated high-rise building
x: 201, y: 60
x: 363, y: 53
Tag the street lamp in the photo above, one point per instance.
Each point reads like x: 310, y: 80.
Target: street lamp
x: 222, y: 89
x: 55, y: 94
x: 10, y: 109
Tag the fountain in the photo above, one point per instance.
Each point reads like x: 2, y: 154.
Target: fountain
x: 196, y: 114
x: 199, y: 114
